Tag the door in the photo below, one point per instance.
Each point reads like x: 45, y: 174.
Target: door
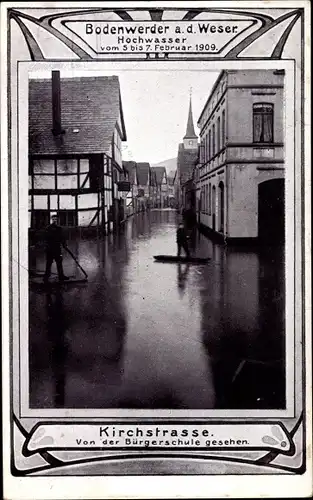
x: 221, y: 206
x: 213, y: 208
x: 271, y: 211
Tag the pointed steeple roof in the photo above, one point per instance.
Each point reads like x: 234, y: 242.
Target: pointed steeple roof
x: 190, y: 131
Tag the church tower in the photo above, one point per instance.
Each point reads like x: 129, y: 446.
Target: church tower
x: 190, y: 138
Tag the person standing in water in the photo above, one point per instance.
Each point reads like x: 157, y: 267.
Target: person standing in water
x: 182, y: 240
x: 54, y: 242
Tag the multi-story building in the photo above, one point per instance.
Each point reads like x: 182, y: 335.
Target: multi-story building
x: 187, y: 158
x: 241, y: 170
x: 144, y: 185
x: 76, y: 128
x: 171, y: 189
x: 132, y: 194
x: 161, y: 185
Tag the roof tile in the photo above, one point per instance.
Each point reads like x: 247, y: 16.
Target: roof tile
x: 90, y: 106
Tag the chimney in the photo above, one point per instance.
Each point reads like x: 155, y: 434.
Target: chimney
x: 56, y: 104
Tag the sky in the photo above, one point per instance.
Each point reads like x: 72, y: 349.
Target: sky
x: 155, y: 107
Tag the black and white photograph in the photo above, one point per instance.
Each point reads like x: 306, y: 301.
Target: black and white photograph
x: 155, y: 260
x: 156, y: 240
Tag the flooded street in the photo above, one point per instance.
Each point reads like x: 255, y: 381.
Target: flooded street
x: 143, y: 334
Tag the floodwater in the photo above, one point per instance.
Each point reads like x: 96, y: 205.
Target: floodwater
x: 143, y: 334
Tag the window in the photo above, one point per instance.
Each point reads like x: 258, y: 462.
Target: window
x: 210, y: 199
x: 210, y: 149
x: 263, y: 122
x: 218, y: 134
x: 68, y: 218
x: 223, y: 129
x: 67, y: 166
x: 84, y: 166
x: 213, y: 141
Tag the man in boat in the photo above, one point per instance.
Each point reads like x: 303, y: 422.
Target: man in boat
x: 182, y: 240
x: 55, y: 240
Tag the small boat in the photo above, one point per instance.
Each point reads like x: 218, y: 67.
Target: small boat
x: 175, y: 258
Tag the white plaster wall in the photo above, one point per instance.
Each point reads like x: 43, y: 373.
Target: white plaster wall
x: 87, y: 200
x: 40, y: 202
x: 44, y: 182
x: 85, y: 217
x: 67, y: 202
x: 242, y: 202
x: 240, y: 114
x: 53, y: 201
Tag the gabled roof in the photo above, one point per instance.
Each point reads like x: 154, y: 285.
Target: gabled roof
x: 89, y: 105
x: 143, y: 173
x: 159, y: 173
x: 186, y: 161
x: 130, y: 167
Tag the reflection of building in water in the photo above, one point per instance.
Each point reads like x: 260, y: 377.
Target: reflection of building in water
x: 240, y: 175
x: 77, y: 336
x: 243, y: 328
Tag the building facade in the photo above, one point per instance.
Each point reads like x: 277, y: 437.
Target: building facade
x: 171, y: 189
x: 144, y: 185
x: 240, y: 176
x: 160, y: 185
x: 76, y: 128
x: 132, y: 194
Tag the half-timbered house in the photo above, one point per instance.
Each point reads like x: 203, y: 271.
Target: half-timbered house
x: 76, y: 128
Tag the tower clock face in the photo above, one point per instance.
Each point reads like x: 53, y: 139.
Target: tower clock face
x: 190, y: 143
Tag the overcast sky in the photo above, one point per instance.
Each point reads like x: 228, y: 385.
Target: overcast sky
x: 155, y: 106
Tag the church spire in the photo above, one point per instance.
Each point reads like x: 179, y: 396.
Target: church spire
x: 190, y: 130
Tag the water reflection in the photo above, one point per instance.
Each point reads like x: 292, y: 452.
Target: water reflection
x: 57, y: 325
x: 143, y: 334
x: 182, y: 275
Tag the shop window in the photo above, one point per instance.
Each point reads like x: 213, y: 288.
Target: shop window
x: 263, y: 122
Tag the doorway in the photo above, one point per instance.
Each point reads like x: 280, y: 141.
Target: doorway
x: 271, y: 211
